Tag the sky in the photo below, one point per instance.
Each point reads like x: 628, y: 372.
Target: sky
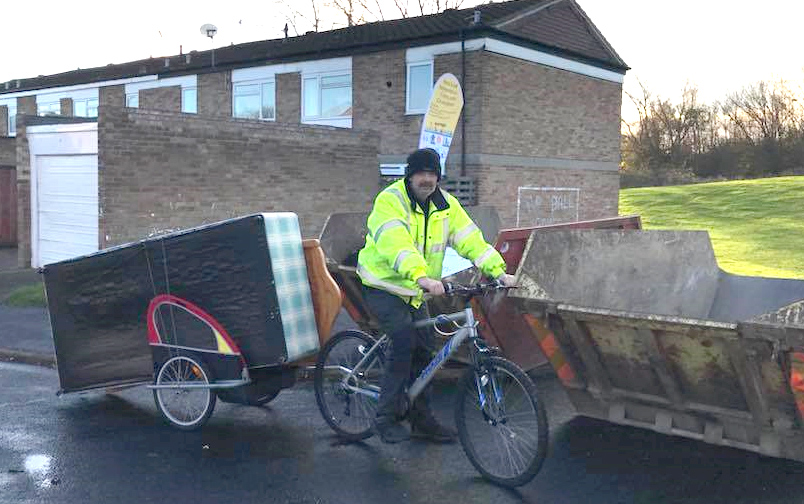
x: 718, y: 45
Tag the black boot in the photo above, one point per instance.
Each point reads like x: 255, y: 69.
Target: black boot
x: 390, y: 430
x: 425, y: 426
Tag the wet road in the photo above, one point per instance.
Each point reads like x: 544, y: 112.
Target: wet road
x: 114, y: 448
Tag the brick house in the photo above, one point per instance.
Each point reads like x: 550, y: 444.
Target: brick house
x: 305, y: 124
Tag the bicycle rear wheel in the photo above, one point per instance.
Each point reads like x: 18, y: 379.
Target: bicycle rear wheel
x: 348, y: 412
x: 505, y: 438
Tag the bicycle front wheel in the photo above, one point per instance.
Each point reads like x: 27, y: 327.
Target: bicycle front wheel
x: 501, y: 423
x: 345, y: 395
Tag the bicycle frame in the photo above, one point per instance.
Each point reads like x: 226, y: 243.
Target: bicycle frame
x: 467, y: 331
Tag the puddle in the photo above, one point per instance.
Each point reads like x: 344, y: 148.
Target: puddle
x: 38, y: 467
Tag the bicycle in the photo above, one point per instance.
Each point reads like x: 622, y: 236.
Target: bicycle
x: 497, y: 402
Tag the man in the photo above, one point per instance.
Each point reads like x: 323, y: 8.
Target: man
x: 409, y: 228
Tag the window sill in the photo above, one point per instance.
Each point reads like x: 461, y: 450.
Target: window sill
x: 260, y: 119
x: 338, y: 122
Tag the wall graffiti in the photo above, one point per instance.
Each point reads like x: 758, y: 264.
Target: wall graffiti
x: 540, y: 206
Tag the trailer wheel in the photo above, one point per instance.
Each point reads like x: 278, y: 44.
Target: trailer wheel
x: 186, y: 401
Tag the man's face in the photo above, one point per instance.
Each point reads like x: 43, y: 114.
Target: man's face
x: 423, y: 183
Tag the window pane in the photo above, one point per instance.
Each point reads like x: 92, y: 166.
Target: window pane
x: 133, y: 100
x: 189, y: 101
x: 311, y: 97
x: 336, y: 80
x: 268, y: 101
x: 12, y: 121
x: 247, y: 89
x: 80, y: 108
x: 336, y: 102
x: 419, y: 87
x: 92, y: 107
x: 247, y: 106
x: 46, y: 109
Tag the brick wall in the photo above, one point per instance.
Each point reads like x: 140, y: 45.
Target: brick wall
x: 24, y: 181
x: 162, y: 171
x: 381, y: 108
x: 527, y: 125
x: 474, y: 88
x: 3, y: 120
x: 499, y: 186
x: 535, y: 110
x: 112, y: 96
x: 167, y: 99
x: 8, y: 151
x: 288, y: 98
x: 26, y: 106
x: 215, y: 94
x: 8, y: 205
x: 66, y: 106
x: 8, y: 190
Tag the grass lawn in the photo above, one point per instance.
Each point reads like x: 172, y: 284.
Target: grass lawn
x: 756, y: 226
x: 26, y: 296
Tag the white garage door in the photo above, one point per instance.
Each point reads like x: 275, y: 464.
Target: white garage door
x: 67, y: 206
x: 64, y: 191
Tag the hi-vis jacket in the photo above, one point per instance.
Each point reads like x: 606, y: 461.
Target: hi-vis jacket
x: 404, y: 243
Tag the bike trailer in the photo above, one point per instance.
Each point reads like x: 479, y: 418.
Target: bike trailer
x: 644, y: 329
x: 233, y: 295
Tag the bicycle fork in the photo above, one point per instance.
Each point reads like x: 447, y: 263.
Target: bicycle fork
x: 492, y: 407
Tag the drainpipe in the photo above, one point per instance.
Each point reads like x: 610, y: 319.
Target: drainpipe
x: 463, y: 115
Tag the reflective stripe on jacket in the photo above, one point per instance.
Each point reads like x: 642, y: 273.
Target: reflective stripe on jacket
x: 403, y: 245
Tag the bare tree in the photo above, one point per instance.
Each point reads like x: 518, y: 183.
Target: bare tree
x: 666, y: 135
x: 763, y: 111
x: 312, y: 13
x: 301, y: 15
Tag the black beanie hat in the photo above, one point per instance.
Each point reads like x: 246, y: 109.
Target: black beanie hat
x: 424, y: 160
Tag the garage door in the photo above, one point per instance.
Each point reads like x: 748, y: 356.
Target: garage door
x: 64, y: 191
x: 67, y: 206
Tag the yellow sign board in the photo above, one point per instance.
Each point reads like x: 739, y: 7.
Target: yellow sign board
x: 443, y: 111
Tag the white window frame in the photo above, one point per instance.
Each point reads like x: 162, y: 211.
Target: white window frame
x: 86, y: 101
x: 319, y: 119
x: 332, y: 66
x: 411, y: 64
x: 393, y: 169
x: 185, y: 103
x: 260, y: 82
x: 50, y: 108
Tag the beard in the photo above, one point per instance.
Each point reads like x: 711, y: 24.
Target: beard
x: 423, y: 191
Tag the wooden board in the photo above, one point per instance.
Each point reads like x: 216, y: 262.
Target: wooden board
x: 326, y: 294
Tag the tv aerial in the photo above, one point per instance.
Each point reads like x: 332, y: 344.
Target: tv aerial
x: 210, y: 30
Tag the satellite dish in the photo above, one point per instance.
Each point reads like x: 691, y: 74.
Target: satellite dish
x: 209, y: 30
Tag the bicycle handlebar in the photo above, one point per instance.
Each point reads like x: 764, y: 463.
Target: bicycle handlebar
x: 478, y: 289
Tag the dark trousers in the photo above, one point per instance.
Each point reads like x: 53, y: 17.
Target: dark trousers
x: 410, y: 352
